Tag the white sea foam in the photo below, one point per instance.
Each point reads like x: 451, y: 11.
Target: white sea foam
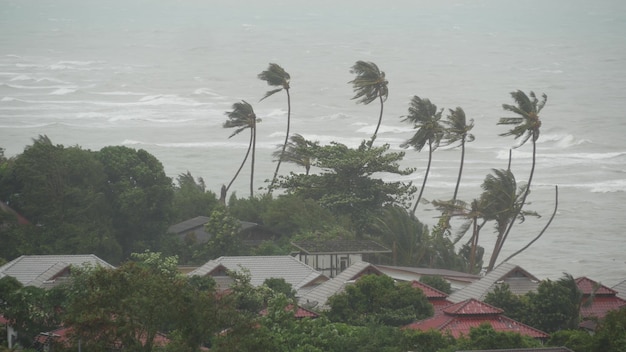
x: 63, y: 91
x: 119, y: 93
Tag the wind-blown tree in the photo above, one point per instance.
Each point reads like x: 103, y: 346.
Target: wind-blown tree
x: 426, y: 120
x: 348, y: 184
x: 241, y: 118
x: 527, y: 127
x: 502, y: 202
x: 404, y: 234
x: 370, y: 84
x: 297, y: 151
x: 457, y: 131
x: 276, y: 76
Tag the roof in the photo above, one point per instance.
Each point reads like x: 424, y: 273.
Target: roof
x: 519, y: 280
x: 38, y: 270
x: 301, y: 312
x: 340, y: 247
x: 457, y: 279
x: 189, y: 224
x: 319, y: 295
x: 20, y: 219
x: 290, y: 269
x: 601, y: 298
x: 438, y: 299
x: 459, y: 318
x: 620, y: 288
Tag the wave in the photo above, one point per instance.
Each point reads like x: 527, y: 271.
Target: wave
x: 562, y: 140
x: 119, y: 93
x: 573, y: 157
x: 63, y: 91
x: 33, y: 79
x: 154, y: 100
x: 610, y: 186
x: 17, y: 86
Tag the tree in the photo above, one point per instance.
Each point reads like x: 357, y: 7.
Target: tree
x: 349, y: 183
x: 276, y: 76
x: 139, y: 195
x: 526, y: 126
x: 501, y: 201
x: 191, y: 198
x: 485, y: 337
x: 403, y: 233
x: 611, y: 333
x: 437, y: 282
x: 297, y: 151
x: 370, y: 84
x: 241, y: 118
x: 425, y: 119
x: 457, y: 130
x: 223, y: 229
x: 377, y: 299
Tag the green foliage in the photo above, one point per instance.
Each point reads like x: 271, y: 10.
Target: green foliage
x: 575, y: 340
x: 191, y: 198
x: 611, y: 333
x: 280, y: 286
x: 515, y: 306
x: 223, y: 229
x: 348, y: 184
x: 377, y: 299
x: 437, y: 282
x: 485, y: 337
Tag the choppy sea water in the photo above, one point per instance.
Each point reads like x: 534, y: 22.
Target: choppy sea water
x: 160, y: 75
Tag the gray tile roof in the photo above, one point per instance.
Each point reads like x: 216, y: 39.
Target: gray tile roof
x: 340, y: 247
x: 189, y: 224
x: 621, y: 289
x: 294, y: 272
x: 319, y: 295
x: 519, y: 280
x: 38, y: 270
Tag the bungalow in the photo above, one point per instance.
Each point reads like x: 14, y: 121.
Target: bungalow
x: 334, y: 256
x: 597, y: 301
x: 301, y: 276
x: 457, y: 279
x: 459, y: 318
x: 438, y: 299
x: 193, y: 231
x: 519, y: 281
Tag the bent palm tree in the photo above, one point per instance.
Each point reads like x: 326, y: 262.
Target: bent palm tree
x: 276, y: 76
x: 458, y: 131
x: 527, y: 127
x: 298, y: 151
x: 242, y: 117
x: 425, y: 118
x: 370, y: 84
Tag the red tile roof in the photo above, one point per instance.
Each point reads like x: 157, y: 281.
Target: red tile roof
x: 603, y: 299
x: 459, y: 318
x: 429, y: 291
x: 299, y: 313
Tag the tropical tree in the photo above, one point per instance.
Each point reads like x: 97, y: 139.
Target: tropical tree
x: 425, y: 119
x: 241, y: 118
x: 297, y: 151
x: 276, y: 76
x: 501, y: 202
x: 525, y: 126
x: 370, y: 84
x: 457, y: 131
x: 404, y: 234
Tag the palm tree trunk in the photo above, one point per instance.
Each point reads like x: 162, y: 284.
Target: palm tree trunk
x: 252, y: 161
x: 380, y: 120
x: 498, y: 248
x: 282, y: 153
x: 473, y: 245
x: 240, y: 166
x: 458, y: 179
x: 430, y: 158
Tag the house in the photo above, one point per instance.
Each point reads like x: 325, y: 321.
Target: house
x: 192, y: 231
x: 334, y: 256
x: 47, y: 271
x: 597, y: 301
x: 298, y: 312
x: 519, y: 281
x: 620, y: 288
x: 294, y: 272
x: 457, y: 279
x: 459, y: 318
x: 318, y: 296
x: 438, y: 299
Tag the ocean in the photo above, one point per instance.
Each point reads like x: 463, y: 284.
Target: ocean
x: 161, y: 74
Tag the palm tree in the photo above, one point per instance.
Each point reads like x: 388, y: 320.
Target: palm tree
x: 370, y: 84
x: 298, y: 151
x: 425, y: 118
x: 242, y: 117
x: 526, y: 126
x: 458, y: 131
x: 276, y: 76
x: 406, y: 235
x: 502, y: 201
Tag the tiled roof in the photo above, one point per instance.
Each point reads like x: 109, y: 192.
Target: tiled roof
x: 445, y: 273
x: 320, y: 294
x: 429, y: 292
x: 519, y: 280
x: 340, y: 247
x: 189, y: 224
x: 620, y: 288
x: 261, y: 268
x: 459, y: 318
x: 588, y: 286
x: 602, y: 299
x: 36, y: 270
x: 301, y: 312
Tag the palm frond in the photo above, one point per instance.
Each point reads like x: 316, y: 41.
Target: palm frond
x: 370, y: 82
